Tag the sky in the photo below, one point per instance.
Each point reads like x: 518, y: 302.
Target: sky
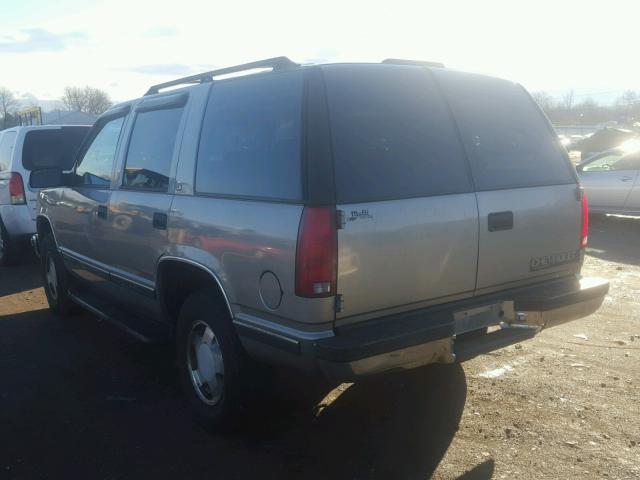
x: 123, y: 46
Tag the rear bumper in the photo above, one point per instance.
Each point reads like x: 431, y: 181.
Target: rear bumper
x: 434, y: 336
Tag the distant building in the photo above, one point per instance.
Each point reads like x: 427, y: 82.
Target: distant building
x: 64, y: 117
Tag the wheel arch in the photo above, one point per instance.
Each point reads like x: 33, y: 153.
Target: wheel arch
x: 178, y: 277
x: 43, y: 227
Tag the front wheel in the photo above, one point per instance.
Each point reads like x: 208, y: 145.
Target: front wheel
x: 55, y: 278
x: 210, y: 359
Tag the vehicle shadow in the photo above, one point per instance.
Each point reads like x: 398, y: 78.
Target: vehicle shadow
x: 21, y: 277
x: 392, y: 426
x: 614, y: 239
x: 85, y: 401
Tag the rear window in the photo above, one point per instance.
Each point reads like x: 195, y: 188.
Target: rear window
x: 6, y: 149
x: 508, y: 141
x: 52, y: 147
x: 151, y: 149
x: 250, y: 142
x: 392, y: 134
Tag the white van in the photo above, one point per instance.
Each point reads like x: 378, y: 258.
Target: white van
x: 21, y: 150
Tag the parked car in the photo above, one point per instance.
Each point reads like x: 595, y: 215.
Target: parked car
x: 350, y: 219
x: 21, y: 150
x: 602, y: 140
x: 612, y: 181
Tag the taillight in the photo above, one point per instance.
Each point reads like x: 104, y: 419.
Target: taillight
x: 16, y: 189
x: 585, y: 221
x: 317, y: 253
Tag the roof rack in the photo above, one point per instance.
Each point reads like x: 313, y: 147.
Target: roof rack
x: 276, y: 63
x: 421, y: 63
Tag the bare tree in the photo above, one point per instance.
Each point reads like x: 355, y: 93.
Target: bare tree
x: 86, y: 100
x: 628, y: 106
x: 8, y: 104
x: 544, y: 100
x: 568, y: 99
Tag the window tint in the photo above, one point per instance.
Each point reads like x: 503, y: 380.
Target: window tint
x: 97, y: 163
x: 6, y: 149
x: 250, y: 143
x: 507, y: 139
x: 151, y: 149
x: 52, y: 147
x: 392, y: 134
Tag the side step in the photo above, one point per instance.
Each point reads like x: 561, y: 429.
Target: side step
x: 468, y: 349
x: 145, y: 330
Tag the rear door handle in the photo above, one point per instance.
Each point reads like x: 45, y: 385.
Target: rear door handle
x: 160, y: 221
x: 500, y: 221
x: 626, y: 178
x: 102, y: 211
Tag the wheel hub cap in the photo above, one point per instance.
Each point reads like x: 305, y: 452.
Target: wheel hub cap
x: 205, y: 363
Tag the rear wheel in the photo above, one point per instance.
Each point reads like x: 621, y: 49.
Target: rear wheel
x: 9, y: 251
x: 54, y: 278
x: 210, y: 359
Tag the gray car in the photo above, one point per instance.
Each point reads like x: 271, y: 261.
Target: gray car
x: 612, y: 181
x: 348, y: 218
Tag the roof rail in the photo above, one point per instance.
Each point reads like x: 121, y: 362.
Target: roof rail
x: 421, y: 63
x: 275, y: 63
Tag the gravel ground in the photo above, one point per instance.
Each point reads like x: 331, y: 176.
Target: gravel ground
x: 80, y: 400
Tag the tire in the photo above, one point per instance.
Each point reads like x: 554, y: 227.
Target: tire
x: 9, y: 252
x: 55, y: 278
x: 211, y: 361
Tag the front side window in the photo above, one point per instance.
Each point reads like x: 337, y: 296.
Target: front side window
x: 151, y: 148
x: 250, y: 142
x: 96, y: 166
x: 603, y: 163
x: 628, y: 162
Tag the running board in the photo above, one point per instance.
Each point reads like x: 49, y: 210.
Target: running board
x: 468, y: 349
x: 145, y: 330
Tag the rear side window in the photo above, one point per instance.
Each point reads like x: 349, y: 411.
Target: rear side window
x: 507, y: 139
x: 96, y: 167
x: 250, y: 141
x: 151, y: 148
x: 6, y: 149
x: 52, y: 147
x: 393, y: 136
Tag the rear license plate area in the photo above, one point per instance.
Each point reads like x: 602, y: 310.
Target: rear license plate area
x: 482, y: 317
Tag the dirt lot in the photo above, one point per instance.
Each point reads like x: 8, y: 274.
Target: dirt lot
x: 80, y: 400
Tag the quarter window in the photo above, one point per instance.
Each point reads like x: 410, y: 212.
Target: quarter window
x: 96, y: 166
x: 151, y: 149
x: 250, y: 141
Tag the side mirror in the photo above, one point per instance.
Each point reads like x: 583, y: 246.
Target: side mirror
x: 46, y: 177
